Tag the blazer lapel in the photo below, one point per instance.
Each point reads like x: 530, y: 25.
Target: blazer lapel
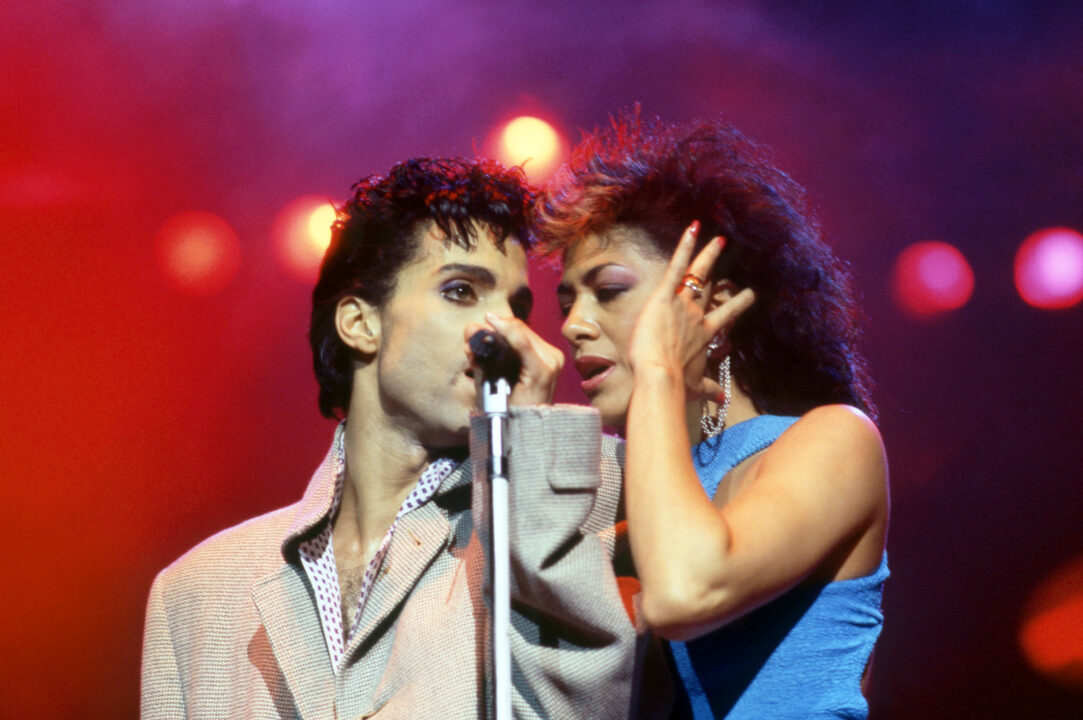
x: 420, y: 536
x: 293, y: 626
x: 287, y: 608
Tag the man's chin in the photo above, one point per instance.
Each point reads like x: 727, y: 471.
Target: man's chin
x: 453, y: 435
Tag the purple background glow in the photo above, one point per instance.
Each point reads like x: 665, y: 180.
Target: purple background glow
x: 136, y: 421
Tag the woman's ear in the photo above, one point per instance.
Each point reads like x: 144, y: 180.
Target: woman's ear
x: 358, y: 325
x: 721, y: 291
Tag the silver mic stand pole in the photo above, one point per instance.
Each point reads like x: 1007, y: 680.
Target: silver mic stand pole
x: 499, y: 364
x: 494, y: 403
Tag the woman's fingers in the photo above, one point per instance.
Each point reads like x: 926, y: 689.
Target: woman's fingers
x: 671, y: 281
x: 703, y: 264
x: 709, y: 389
x: 724, y: 315
x: 684, y: 272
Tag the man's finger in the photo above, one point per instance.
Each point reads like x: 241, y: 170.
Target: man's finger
x: 514, y: 331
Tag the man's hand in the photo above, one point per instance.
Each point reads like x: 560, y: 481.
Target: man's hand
x: 541, y: 362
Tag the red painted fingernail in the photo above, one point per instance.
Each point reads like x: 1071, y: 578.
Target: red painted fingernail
x: 721, y: 241
x: 693, y: 229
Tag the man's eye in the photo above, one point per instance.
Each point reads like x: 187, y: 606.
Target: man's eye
x: 459, y: 292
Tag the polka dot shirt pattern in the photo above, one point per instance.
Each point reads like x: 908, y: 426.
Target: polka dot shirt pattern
x: 318, y: 553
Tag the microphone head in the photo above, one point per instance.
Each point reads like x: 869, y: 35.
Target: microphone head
x: 494, y: 356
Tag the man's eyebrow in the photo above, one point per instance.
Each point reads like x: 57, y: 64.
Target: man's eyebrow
x: 476, y: 272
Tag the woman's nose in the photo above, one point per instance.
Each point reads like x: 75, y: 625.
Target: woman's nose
x: 577, y: 326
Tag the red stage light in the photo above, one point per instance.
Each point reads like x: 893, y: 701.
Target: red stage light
x: 199, y: 252
x: 932, y: 277
x: 302, y: 232
x: 532, y: 141
x: 1049, y: 268
x: 1051, y: 632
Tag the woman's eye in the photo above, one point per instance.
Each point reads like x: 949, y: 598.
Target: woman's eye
x: 609, y: 292
x: 459, y: 292
x: 565, y: 300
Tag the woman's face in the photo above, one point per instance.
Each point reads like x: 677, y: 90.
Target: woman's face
x: 607, y: 279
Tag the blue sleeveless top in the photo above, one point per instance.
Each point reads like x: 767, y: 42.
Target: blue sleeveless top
x: 801, y: 655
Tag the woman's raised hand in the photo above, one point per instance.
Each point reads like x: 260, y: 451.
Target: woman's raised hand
x: 683, y: 314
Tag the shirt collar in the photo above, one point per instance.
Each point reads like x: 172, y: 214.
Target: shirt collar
x: 324, y: 491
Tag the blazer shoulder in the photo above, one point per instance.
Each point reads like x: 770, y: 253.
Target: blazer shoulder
x: 247, y: 551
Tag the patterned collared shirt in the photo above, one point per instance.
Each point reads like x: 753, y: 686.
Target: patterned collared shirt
x: 318, y: 553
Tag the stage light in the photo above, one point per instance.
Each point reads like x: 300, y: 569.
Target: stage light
x: 1051, y: 631
x: 1049, y: 268
x: 532, y: 143
x: 932, y: 277
x: 199, y: 252
x: 302, y: 232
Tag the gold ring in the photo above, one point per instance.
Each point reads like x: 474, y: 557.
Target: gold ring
x: 693, y: 283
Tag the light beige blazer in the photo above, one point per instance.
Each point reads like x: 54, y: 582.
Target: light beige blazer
x: 233, y: 630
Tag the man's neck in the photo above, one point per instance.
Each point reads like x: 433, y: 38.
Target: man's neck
x: 383, y: 465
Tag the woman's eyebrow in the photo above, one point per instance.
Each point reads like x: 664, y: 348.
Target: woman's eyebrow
x: 589, y: 277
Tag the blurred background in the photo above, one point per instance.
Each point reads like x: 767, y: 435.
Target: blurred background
x: 165, y: 170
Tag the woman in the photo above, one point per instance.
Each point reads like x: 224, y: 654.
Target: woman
x: 756, y: 483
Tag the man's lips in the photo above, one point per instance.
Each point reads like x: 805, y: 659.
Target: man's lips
x: 594, y: 370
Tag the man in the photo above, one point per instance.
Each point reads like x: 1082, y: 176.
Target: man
x: 366, y: 597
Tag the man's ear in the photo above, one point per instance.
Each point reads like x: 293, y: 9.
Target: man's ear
x: 358, y: 325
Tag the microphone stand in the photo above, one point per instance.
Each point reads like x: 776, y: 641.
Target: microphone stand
x: 499, y: 366
x: 494, y: 404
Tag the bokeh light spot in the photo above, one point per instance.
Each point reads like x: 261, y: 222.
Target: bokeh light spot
x: 1049, y: 268
x: 1051, y: 632
x: 532, y: 141
x: 199, y: 252
x: 932, y: 277
x: 302, y: 232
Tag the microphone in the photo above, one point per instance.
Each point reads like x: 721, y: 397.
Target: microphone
x: 494, y: 357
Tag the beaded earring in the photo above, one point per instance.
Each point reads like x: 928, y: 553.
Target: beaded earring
x: 712, y: 426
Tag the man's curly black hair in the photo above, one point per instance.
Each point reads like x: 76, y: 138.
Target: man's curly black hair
x: 795, y: 348
x: 378, y: 231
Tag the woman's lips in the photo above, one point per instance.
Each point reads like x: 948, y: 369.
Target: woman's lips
x: 589, y: 366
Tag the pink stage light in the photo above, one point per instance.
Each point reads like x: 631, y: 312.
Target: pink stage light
x: 532, y: 143
x: 302, y: 232
x: 932, y: 277
x: 199, y: 252
x: 1049, y: 268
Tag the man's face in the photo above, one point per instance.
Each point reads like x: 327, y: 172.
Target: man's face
x: 422, y: 364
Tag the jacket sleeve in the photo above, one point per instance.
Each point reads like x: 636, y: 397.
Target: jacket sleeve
x: 161, y: 696
x: 573, y: 645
